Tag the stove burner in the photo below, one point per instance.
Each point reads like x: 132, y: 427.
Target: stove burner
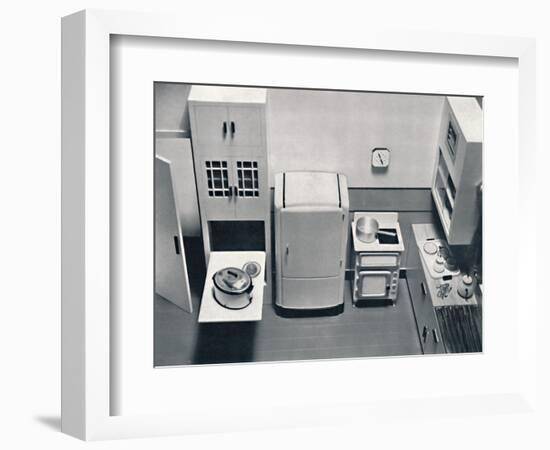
x: 387, y: 239
x: 430, y: 248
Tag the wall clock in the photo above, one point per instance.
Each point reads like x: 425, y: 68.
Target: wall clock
x: 380, y: 158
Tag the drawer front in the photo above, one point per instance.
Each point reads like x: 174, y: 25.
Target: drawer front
x: 379, y: 260
x: 311, y: 293
x: 426, y: 321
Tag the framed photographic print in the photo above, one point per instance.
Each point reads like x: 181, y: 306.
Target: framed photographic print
x: 271, y: 224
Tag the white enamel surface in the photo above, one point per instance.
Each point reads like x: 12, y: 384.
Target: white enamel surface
x: 385, y: 220
x: 171, y: 278
x: 211, y: 310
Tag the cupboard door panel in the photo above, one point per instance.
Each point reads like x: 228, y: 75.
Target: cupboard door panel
x: 311, y: 293
x: 211, y: 125
x: 246, y: 127
x: 426, y: 321
x: 311, y: 243
x: 171, y: 280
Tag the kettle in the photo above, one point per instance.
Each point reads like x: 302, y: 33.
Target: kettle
x: 466, y: 286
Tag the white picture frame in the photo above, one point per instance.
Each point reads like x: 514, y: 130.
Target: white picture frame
x: 87, y: 315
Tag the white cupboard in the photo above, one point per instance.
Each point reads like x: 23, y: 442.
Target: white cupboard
x: 228, y: 133
x: 456, y: 187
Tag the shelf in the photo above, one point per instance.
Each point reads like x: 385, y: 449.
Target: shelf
x: 450, y: 197
x: 443, y: 214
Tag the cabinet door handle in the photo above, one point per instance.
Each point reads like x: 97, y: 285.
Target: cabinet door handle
x: 233, y: 128
x: 424, y: 333
x: 436, y: 336
x: 423, y: 287
x: 177, y: 245
x: 224, y: 127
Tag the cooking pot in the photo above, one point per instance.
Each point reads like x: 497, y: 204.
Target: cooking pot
x: 367, y: 229
x: 232, y: 288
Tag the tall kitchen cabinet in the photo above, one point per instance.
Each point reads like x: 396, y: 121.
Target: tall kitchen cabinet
x: 456, y: 187
x: 228, y: 133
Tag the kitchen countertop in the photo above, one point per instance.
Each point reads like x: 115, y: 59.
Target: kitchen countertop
x: 426, y: 231
x: 459, y: 320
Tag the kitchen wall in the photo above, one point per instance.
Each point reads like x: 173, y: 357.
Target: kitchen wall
x: 322, y: 130
x: 336, y: 131
x: 171, y: 112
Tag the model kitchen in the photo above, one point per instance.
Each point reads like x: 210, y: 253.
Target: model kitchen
x: 295, y: 224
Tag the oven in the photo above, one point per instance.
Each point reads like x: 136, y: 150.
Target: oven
x: 376, y: 276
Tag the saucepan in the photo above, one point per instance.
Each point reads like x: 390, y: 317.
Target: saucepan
x: 367, y: 229
x: 233, y: 286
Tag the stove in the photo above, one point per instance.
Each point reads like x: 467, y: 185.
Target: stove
x: 215, y: 310
x: 377, y: 263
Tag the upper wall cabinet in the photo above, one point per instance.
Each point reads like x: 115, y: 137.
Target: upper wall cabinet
x: 456, y: 187
x: 228, y: 121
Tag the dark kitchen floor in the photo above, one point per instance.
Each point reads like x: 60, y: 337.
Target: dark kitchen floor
x: 357, y: 332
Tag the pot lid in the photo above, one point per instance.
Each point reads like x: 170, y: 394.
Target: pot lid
x: 252, y: 268
x: 232, y: 280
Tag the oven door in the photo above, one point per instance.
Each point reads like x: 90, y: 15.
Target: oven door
x: 373, y: 284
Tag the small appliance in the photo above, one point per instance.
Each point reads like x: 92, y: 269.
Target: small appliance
x: 377, y: 249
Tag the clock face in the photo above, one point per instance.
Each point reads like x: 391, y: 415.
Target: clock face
x: 380, y: 157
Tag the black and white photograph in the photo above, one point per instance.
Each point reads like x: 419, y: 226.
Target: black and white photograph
x: 304, y: 224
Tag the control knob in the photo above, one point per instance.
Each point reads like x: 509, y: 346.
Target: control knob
x: 439, y: 264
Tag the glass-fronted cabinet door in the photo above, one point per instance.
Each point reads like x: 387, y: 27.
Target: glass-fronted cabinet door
x: 251, y: 189
x: 215, y: 181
